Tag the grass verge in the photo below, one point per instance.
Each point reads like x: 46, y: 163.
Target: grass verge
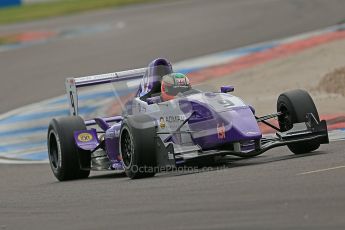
x: 57, y: 8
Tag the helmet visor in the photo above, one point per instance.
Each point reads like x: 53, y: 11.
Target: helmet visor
x: 173, y: 90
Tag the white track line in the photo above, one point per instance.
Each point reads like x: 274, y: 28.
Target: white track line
x: 11, y: 161
x: 321, y: 170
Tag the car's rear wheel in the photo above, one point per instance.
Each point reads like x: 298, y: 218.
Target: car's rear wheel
x: 66, y: 160
x: 294, y: 106
x: 138, y: 146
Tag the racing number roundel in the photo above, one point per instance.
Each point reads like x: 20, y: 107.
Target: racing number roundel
x: 162, y: 123
x: 85, y: 137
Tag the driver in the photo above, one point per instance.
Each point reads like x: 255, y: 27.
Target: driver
x: 172, y: 84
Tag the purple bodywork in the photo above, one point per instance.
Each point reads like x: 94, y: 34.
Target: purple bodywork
x: 215, y: 126
x: 86, y: 139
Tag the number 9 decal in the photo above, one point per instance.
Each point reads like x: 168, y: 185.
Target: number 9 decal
x: 72, y: 103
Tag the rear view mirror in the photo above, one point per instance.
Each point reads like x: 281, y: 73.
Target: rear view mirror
x: 227, y: 89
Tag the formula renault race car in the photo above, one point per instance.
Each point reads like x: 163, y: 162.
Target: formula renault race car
x: 150, y: 135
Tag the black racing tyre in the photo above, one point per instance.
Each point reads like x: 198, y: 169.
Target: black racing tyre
x: 65, y: 157
x: 138, y: 146
x: 294, y: 105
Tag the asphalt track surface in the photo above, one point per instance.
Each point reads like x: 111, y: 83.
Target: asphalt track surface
x: 267, y: 192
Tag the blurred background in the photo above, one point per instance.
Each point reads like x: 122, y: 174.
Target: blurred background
x: 43, y: 43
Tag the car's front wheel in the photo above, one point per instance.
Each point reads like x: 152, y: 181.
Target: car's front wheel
x: 294, y: 106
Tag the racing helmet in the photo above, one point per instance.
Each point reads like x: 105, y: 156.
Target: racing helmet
x: 172, y: 84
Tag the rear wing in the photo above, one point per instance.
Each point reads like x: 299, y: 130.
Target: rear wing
x: 72, y: 84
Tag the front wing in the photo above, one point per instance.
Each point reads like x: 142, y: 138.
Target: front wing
x: 309, y: 131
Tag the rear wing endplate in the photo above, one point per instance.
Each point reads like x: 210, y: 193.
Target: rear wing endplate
x: 72, y: 84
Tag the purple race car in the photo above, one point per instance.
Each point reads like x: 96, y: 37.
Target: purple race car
x: 152, y: 134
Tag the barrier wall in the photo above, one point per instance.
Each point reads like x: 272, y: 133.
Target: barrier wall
x: 5, y: 3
